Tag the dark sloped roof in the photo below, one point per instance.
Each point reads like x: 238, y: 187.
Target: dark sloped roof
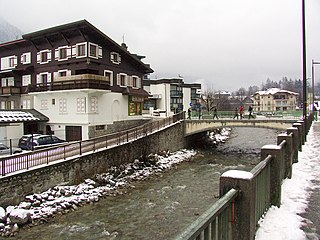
x: 22, y: 115
x: 84, y: 24
x: 135, y: 92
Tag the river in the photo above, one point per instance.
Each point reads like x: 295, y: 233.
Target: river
x: 161, y: 206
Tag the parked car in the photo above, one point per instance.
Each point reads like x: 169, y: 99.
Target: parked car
x: 4, y: 150
x: 25, y: 141
x: 35, y: 141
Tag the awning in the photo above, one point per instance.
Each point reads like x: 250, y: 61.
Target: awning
x: 135, y: 92
x: 22, y: 115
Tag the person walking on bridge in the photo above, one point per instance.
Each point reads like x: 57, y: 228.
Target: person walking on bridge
x: 236, y: 114
x: 215, y: 114
x: 250, y: 112
x: 241, y: 110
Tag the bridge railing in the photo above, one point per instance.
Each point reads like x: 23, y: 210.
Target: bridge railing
x: 216, y: 223
x: 24, y: 161
x: 257, y: 190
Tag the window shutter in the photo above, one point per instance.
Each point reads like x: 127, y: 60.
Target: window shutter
x: 118, y: 79
x: 99, y: 52
x: 48, y: 77
x: 38, y: 58
x: 69, y: 73
x: 56, y: 54
x: 130, y: 81
x: 22, y: 58
x: 28, y: 57
x: 15, y: 61
x: 69, y: 52
x: 112, y: 57
x: 74, y: 51
x: 138, y: 82
x: 49, y: 55
x: 38, y: 79
x: 119, y: 58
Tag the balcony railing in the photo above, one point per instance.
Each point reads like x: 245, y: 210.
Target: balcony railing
x: 84, y: 81
x: 11, y: 90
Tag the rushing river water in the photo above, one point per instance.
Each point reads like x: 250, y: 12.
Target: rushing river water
x: 162, y: 206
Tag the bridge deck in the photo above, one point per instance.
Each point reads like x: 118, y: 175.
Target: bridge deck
x: 196, y: 126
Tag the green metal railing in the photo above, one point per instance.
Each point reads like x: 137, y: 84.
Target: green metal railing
x: 216, y: 223
x: 261, y: 175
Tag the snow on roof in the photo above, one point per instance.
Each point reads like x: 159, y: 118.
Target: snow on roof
x: 272, y: 91
x: 21, y: 116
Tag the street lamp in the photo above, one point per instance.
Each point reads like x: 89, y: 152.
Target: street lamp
x: 312, y: 75
x: 304, y: 64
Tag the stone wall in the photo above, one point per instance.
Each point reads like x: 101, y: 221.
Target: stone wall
x: 14, y: 188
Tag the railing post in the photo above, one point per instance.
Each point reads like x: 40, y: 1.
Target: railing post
x: 80, y: 153
x: 276, y: 169
x: 301, y: 134
x: 47, y: 152
x: 295, y: 142
x: 127, y: 136
x: 64, y: 152
x: 3, y: 168
x: 288, y: 149
x: 244, y: 210
x: 106, y: 141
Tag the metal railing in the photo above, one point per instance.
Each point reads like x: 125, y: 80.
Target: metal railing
x: 24, y: 161
x: 216, y: 223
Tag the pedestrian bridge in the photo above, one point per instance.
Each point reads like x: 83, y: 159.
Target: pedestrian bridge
x: 197, y: 126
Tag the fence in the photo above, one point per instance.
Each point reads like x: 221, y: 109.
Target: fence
x: 246, y: 196
x: 10, y: 164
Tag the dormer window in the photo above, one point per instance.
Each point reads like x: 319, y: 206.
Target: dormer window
x: 63, y: 53
x: 93, y: 50
x: 44, y: 56
x: 115, y: 57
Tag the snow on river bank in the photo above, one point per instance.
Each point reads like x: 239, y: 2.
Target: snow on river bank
x: 41, y: 207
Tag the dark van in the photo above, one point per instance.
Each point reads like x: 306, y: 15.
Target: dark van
x: 35, y: 141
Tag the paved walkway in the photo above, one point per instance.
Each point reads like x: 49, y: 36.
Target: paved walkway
x: 312, y: 214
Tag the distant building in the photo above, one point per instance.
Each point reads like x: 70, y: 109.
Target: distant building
x: 171, y: 95
x: 274, y: 99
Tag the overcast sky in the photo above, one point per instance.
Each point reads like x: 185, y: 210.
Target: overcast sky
x: 224, y: 44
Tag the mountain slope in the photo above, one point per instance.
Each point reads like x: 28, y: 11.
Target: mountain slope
x: 8, y: 32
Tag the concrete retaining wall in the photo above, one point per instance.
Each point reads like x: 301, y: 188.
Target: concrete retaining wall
x: 15, y: 187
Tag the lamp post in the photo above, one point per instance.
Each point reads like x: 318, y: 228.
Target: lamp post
x: 304, y: 64
x: 315, y: 114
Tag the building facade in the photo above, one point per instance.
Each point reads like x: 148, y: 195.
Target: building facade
x: 274, y: 99
x: 76, y: 76
x: 171, y: 95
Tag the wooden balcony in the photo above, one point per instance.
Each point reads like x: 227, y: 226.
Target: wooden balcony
x: 84, y: 81
x: 11, y: 90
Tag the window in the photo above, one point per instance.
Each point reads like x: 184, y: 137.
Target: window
x: 62, y: 73
x: 26, y: 80
x: 115, y: 57
x: 109, y: 75
x: 81, y: 105
x: 62, y: 105
x: 79, y: 50
x: 93, y: 50
x: 44, y: 78
x: 26, y: 104
x: 44, y: 104
x: 94, y: 104
x: 3, y: 105
x: 7, y: 82
x: 44, y: 56
x: 121, y: 79
x: 26, y: 58
x: 9, y: 62
x: 135, y: 82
